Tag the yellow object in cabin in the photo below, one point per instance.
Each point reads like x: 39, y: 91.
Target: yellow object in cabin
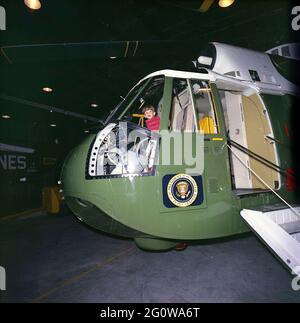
x: 206, y: 125
x: 141, y: 120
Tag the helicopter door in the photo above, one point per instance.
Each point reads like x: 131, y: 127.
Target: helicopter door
x: 181, y: 179
x: 258, y: 131
x: 236, y: 130
x: 249, y: 127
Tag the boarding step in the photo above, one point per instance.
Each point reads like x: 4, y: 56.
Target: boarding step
x: 279, y: 228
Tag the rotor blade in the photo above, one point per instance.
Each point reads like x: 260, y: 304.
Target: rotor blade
x: 96, y: 50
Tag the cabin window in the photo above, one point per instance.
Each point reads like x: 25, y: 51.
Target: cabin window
x: 182, y: 116
x: 150, y: 93
x: 205, y: 112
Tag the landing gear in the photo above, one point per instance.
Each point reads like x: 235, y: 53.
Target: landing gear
x: 181, y: 246
x: 152, y: 244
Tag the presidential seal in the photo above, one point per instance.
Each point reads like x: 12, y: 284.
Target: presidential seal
x: 182, y: 190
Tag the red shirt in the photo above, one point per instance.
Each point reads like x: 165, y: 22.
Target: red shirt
x: 154, y: 123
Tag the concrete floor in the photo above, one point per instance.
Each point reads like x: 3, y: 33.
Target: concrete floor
x: 55, y: 258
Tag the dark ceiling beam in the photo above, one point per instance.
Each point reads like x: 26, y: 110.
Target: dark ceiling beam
x: 48, y: 108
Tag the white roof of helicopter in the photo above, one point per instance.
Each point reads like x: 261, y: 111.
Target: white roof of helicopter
x: 223, y: 81
x: 183, y: 74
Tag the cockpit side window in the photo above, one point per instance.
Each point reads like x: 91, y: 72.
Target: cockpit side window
x: 150, y: 96
x: 182, y: 113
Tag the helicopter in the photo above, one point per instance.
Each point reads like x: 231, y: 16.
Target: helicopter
x: 235, y: 110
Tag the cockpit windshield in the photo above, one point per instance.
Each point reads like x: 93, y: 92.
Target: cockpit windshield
x: 147, y: 95
x: 126, y: 146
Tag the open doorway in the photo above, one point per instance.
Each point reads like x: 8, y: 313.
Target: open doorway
x: 249, y: 128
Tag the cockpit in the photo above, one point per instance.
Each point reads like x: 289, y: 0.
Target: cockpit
x: 129, y: 144
x: 191, y: 105
x: 147, y: 93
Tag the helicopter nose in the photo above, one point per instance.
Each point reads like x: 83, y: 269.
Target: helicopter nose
x: 80, y: 193
x: 105, y: 190
x: 73, y: 170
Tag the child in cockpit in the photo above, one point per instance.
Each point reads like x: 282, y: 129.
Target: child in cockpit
x: 152, y: 120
